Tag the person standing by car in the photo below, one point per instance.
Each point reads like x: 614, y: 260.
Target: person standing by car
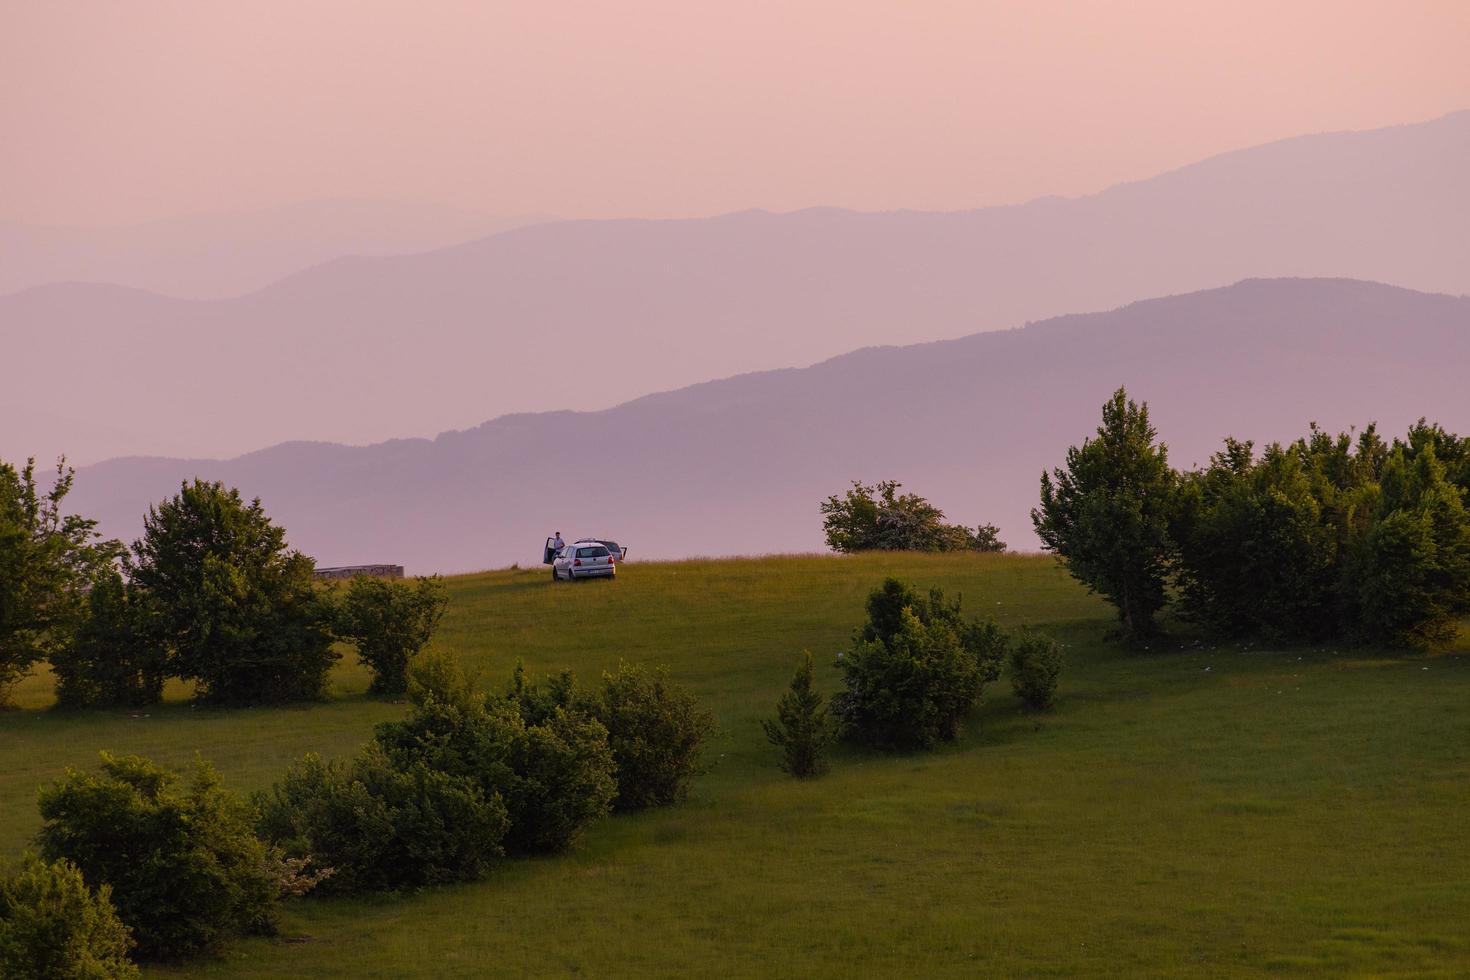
x: 557, y: 544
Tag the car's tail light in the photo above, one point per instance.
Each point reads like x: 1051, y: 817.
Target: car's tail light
x: 576, y: 561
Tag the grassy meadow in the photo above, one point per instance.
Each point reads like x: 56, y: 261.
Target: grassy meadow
x: 1184, y: 810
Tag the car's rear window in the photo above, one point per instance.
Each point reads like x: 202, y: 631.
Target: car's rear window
x: 597, y: 552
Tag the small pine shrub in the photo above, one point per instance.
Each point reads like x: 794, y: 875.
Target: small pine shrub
x: 376, y: 825
x: 802, y: 729
x: 656, y: 730
x: 184, y: 864
x: 389, y: 622
x: 1036, y: 663
x: 915, y: 671
x: 53, y: 928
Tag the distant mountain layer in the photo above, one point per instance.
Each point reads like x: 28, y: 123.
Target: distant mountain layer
x: 584, y: 315
x: 739, y: 466
x: 212, y: 256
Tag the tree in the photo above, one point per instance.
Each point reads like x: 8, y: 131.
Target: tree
x: 115, y: 658
x: 53, y: 927
x: 183, y: 862
x: 1258, y: 549
x: 236, y: 608
x: 802, y: 729
x: 915, y: 671
x: 389, y: 622
x: 47, y: 561
x: 1107, y: 514
x: 1409, y: 579
x: 879, y: 518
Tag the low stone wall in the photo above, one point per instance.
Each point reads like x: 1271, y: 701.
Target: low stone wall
x: 352, y: 571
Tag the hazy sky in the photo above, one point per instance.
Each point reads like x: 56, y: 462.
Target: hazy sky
x: 117, y: 112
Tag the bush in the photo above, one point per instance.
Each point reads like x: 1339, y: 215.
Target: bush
x: 372, y: 824
x: 53, y: 928
x: 389, y: 622
x: 802, y: 729
x: 185, y: 867
x: 555, y: 776
x: 437, y: 675
x: 915, y: 670
x: 237, y: 609
x: 113, y: 659
x: 879, y: 518
x: 1036, y: 663
x: 656, y: 730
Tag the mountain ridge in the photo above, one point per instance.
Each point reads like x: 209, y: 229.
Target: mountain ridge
x: 738, y: 465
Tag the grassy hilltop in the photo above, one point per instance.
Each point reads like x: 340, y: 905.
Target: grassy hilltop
x: 1216, y: 811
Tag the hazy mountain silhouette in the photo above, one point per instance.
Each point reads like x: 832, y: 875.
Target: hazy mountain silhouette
x: 739, y: 466
x: 586, y: 314
x: 213, y: 256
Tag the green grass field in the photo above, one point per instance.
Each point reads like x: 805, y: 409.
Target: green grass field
x: 1209, y: 812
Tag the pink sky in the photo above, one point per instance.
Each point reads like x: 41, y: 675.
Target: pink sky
x: 118, y: 112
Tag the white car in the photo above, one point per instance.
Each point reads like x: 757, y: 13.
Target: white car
x: 584, y: 559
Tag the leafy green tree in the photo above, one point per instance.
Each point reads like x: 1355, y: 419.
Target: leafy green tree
x: 879, y: 518
x: 184, y: 864
x: 52, y: 927
x: 1107, y: 514
x: 1259, y: 549
x: 236, y: 608
x: 802, y: 729
x: 47, y: 561
x: 115, y: 658
x: 389, y: 622
x: 1409, y: 579
x: 915, y: 671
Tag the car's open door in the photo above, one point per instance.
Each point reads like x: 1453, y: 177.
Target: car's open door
x: 549, y: 555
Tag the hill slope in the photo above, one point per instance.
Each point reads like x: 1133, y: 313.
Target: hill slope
x: 584, y: 315
x: 1200, y: 812
x: 738, y: 466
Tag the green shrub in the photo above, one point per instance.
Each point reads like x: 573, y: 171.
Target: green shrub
x: 113, y: 660
x: 437, y: 675
x: 555, y: 776
x: 183, y: 862
x: 389, y: 622
x: 1036, y: 663
x: 376, y: 825
x: 53, y: 928
x: 915, y: 670
x: 656, y: 730
x: 237, y: 609
x: 802, y: 729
